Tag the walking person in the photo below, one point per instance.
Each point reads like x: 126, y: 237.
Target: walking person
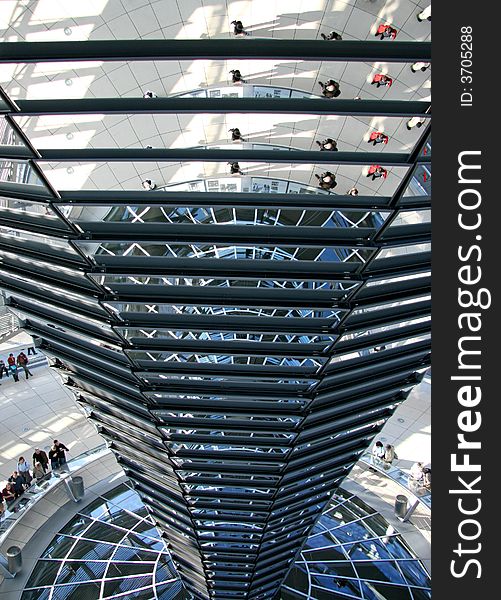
x: 22, y: 361
x: 41, y: 457
x: 331, y: 36
x: 11, y: 360
x: 23, y: 468
x: 382, y: 80
x: 378, y: 137
x: 386, y: 31
x: 330, y: 89
x: 377, y: 171
x: 238, y: 28
x: 149, y: 94
x: 328, y: 144
x: 327, y: 180
x: 352, y: 192
x: 236, y: 136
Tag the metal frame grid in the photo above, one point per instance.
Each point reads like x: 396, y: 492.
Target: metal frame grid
x: 238, y: 360
x: 351, y: 553
x: 117, y: 547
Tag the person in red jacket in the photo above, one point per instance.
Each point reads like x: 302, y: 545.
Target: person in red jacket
x: 386, y: 31
x: 380, y: 79
x: 378, y: 137
x: 377, y: 171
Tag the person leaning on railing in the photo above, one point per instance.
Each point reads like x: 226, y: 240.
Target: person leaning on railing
x: 8, y: 493
x: 38, y: 472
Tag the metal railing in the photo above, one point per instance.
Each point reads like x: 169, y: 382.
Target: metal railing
x: 9, y: 323
x: 38, y: 489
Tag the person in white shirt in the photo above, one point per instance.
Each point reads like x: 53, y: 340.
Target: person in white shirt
x: 425, y: 14
x: 416, y: 472
x: 377, y: 452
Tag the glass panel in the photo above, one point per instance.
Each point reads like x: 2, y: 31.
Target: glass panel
x: 126, y: 585
x: 420, y: 184
x: 82, y: 591
x: 72, y: 572
x: 8, y: 136
x: 45, y: 573
x: 377, y: 591
x: 15, y: 171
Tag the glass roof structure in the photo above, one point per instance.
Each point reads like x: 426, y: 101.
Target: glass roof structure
x: 238, y: 341
x: 112, y: 550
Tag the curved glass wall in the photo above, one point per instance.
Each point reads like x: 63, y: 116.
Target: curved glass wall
x: 112, y: 550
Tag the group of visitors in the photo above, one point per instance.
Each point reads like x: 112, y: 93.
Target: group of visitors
x: 383, y: 455
x: 14, y: 364
x: 420, y: 474
x: 22, y: 478
x: 330, y: 89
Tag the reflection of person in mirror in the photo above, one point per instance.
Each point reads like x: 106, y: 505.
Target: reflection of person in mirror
x: 382, y: 80
x: 149, y: 184
x: 425, y: 15
x: 376, y: 171
x: 235, y: 169
x: 386, y: 31
x: 420, y: 66
x: 378, y: 137
x: 236, y: 76
x: 331, y: 36
x: 414, y: 122
x: 236, y: 136
x: 330, y: 89
x: 327, y: 180
x: 238, y: 28
x: 328, y: 144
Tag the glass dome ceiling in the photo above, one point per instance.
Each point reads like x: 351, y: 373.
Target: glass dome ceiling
x: 111, y: 549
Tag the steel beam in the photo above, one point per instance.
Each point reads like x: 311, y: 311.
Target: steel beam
x: 177, y: 105
x: 203, y: 154
x: 174, y: 198
x: 213, y: 49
